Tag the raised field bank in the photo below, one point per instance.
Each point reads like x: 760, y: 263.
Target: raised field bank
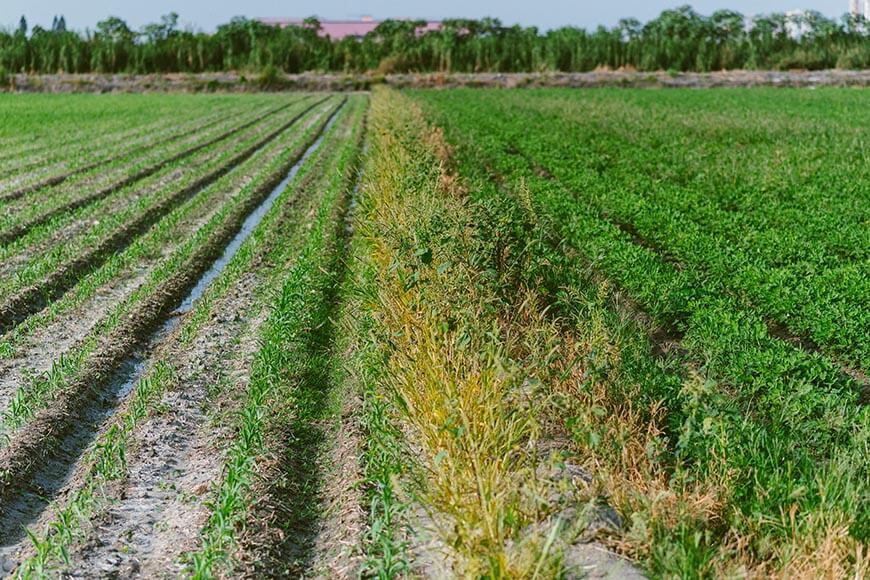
x: 475, y: 333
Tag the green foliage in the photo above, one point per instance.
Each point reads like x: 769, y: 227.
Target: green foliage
x: 757, y: 270
x: 856, y: 58
x: 679, y: 39
x: 284, y: 385
x: 270, y: 78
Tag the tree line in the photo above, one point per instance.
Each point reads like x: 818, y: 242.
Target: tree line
x: 680, y: 39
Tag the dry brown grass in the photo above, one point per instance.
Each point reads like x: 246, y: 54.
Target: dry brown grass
x: 484, y: 383
x: 456, y: 359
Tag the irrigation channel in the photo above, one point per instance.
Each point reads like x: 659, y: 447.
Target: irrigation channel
x: 24, y: 508
x: 32, y: 299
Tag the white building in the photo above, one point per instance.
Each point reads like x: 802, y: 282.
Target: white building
x: 855, y: 8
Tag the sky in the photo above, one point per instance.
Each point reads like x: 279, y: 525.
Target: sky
x: 207, y: 14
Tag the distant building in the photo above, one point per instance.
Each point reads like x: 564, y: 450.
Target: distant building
x: 338, y: 29
x: 855, y: 8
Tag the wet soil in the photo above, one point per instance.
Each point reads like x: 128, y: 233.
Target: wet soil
x: 48, y: 477
x: 36, y: 297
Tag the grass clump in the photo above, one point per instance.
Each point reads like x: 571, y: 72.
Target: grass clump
x: 457, y: 368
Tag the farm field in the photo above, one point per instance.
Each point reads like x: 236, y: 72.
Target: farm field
x: 459, y: 333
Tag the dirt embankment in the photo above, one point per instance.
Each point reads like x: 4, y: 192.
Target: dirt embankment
x: 236, y: 82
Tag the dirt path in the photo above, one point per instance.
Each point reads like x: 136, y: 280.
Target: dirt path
x: 232, y: 82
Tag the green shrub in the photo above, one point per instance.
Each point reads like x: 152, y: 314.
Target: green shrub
x: 270, y: 77
x: 802, y: 60
x: 856, y: 58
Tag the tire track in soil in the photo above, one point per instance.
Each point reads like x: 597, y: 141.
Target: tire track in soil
x: 19, y: 230
x: 33, y: 299
x: 42, y: 456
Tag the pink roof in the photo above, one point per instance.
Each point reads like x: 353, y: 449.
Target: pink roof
x: 338, y: 29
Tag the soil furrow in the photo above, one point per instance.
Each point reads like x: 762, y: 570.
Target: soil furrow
x: 34, y: 298
x: 21, y: 229
x: 342, y: 526
x: 193, y: 465
x: 58, y: 426
x: 173, y: 135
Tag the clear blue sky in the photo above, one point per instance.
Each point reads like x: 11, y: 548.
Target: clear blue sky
x: 206, y: 14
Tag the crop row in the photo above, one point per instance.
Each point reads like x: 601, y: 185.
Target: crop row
x: 41, y: 441
x: 222, y: 200
x: 157, y: 242
x: 29, y: 172
x: 776, y: 425
x: 265, y: 253
x: 287, y: 372
x: 822, y: 303
x: 54, y: 271
x: 52, y: 126
x: 125, y: 169
x: 40, y: 229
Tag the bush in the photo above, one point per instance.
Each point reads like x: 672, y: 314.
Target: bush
x: 270, y: 77
x: 802, y: 60
x: 856, y: 58
x: 4, y: 78
x: 391, y: 65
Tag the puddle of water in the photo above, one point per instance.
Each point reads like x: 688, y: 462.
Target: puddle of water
x: 56, y: 472
x: 250, y: 223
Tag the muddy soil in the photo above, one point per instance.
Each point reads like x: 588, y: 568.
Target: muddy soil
x: 74, y: 412
x: 47, y: 343
x: 155, y: 515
